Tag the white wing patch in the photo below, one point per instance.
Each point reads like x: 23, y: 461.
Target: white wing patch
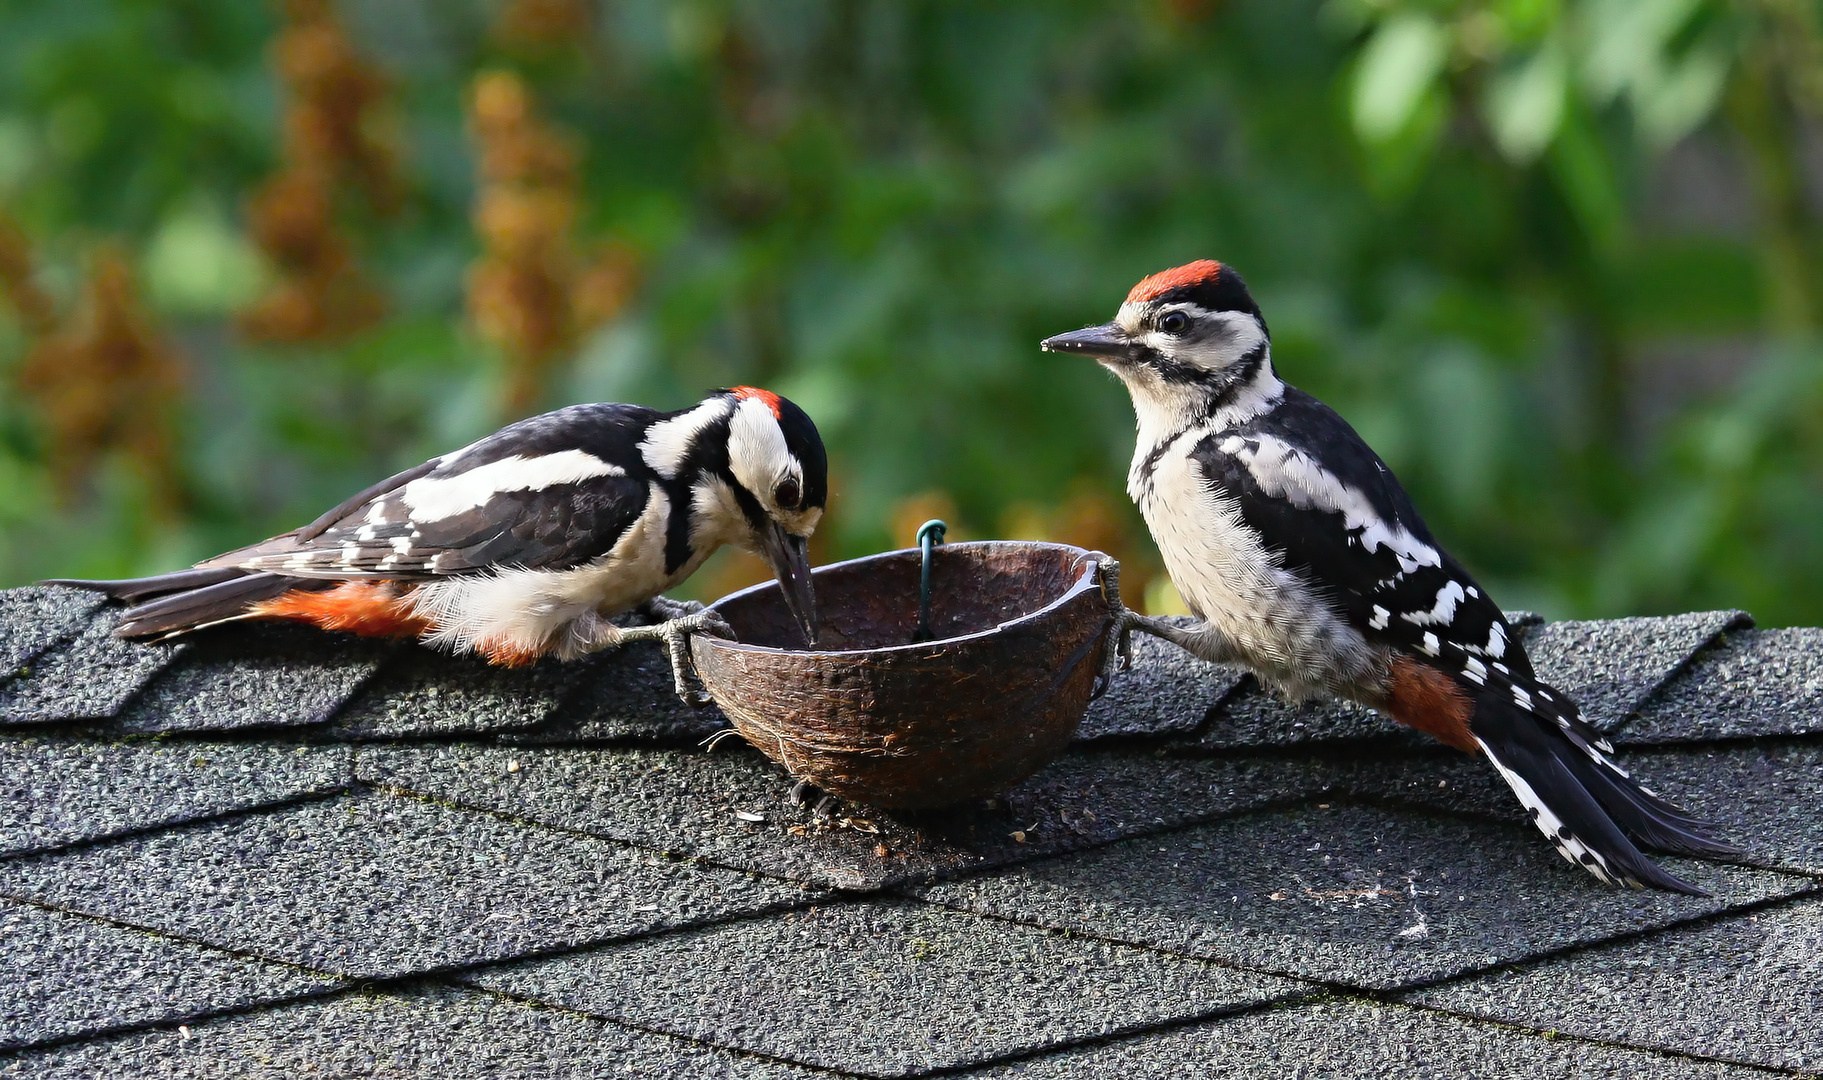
x: 668, y: 442
x: 435, y: 498
x: 1443, y: 612
x: 1285, y: 472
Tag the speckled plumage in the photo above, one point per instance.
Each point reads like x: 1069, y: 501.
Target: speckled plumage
x: 1306, y: 562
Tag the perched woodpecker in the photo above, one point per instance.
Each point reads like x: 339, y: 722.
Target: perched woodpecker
x: 1305, y: 562
x: 525, y: 543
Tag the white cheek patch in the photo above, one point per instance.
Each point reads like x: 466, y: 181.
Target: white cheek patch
x: 668, y: 442
x: 757, y: 454
x: 433, y: 499
x: 1284, y: 472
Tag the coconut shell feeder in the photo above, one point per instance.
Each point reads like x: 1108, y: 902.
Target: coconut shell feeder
x: 940, y: 675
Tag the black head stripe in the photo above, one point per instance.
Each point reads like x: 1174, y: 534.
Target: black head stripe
x: 1221, y: 292
x: 806, y: 445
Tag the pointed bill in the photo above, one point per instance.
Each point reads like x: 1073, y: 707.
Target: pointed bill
x: 790, y: 561
x: 1105, y: 341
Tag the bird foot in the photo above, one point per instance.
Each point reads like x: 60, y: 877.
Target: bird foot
x: 1117, y: 653
x: 675, y: 634
x: 663, y: 609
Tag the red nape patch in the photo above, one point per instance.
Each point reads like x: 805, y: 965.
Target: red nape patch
x: 742, y: 393
x: 1424, y: 698
x: 368, y: 608
x: 1165, y: 280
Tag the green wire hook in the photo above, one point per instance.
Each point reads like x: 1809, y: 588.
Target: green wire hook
x: 930, y: 535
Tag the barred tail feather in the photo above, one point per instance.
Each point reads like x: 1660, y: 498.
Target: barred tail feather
x: 188, y: 600
x: 1597, y: 816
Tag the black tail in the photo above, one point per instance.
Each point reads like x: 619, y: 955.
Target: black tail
x: 191, y: 599
x: 1587, y: 805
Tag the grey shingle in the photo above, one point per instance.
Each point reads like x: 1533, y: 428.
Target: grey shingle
x: 436, y: 1032
x: 69, y: 976
x: 1166, y: 691
x: 56, y: 791
x: 1753, y: 682
x: 1347, y: 1038
x: 883, y: 989
x: 1355, y: 895
x: 35, y: 618
x: 378, y: 885
x: 425, y: 692
x: 1766, y: 797
x: 88, y: 678
x: 1748, y: 989
x: 1761, y: 796
x: 624, y: 696
x: 255, y: 675
x: 1610, y: 666
x: 1253, y: 717
x: 691, y: 801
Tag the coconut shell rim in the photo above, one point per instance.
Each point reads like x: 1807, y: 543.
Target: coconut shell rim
x: 1089, y: 579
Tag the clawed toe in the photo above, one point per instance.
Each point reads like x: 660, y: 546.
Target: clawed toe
x: 675, y: 634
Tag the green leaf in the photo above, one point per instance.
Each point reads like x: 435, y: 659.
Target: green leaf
x: 197, y: 264
x: 1525, y: 104
x: 1398, y: 65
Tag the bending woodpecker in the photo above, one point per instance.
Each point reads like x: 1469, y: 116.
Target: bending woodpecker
x: 525, y: 543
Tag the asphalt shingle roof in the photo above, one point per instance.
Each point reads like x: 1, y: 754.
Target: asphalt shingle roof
x: 272, y: 852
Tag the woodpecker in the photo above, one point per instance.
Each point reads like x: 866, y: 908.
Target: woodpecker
x: 525, y: 543
x: 1304, y: 561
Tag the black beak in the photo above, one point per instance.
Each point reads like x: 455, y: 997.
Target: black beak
x: 790, y: 562
x: 1105, y: 342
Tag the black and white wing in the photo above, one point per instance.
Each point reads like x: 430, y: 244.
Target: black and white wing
x: 553, y: 492
x: 1326, y: 505
x: 1332, y: 512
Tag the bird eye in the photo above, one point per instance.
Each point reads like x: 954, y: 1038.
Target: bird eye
x: 788, y: 493
x: 1174, y: 323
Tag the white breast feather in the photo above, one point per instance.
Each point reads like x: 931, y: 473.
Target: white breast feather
x: 1282, y: 629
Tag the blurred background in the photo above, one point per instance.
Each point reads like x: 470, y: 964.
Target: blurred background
x: 1558, y: 260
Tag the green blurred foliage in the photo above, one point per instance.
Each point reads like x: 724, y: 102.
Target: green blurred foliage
x: 1446, y: 210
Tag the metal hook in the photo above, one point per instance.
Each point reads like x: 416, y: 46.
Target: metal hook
x: 930, y: 535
